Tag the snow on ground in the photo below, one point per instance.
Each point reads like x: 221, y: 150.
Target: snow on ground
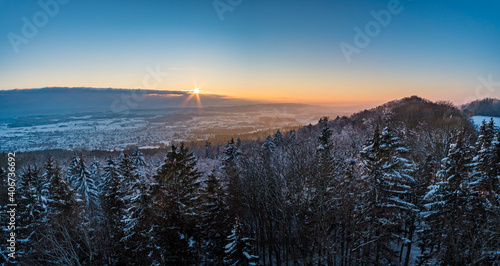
x: 145, y: 128
x: 477, y: 120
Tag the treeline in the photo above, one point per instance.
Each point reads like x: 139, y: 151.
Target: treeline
x: 332, y: 194
x: 484, y: 107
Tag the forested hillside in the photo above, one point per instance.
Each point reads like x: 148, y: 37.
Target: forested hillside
x: 409, y: 182
x: 485, y: 107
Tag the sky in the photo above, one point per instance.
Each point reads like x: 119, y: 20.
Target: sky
x: 276, y: 50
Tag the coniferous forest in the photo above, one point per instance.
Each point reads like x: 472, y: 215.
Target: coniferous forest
x: 411, y: 182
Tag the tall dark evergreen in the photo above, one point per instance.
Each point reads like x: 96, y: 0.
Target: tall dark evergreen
x: 447, y: 216
x: 31, y: 217
x: 181, y: 180
x: 95, y: 170
x: 215, y: 220
x: 484, y: 177
x: 231, y: 177
x: 84, y: 184
x: 239, y: 250
x: 140, y: 224
x: 139, y: 162
x: 63, y: 239
x: 269, y: 146
x: 278, y: 138
x: 112, y: 205
x: 321, y: 214
x: 208, y: 149
x: 387, y: 207
x: 62, y: 201
x: 128, y: 174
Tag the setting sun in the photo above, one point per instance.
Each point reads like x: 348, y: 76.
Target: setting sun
x: 196, y: 90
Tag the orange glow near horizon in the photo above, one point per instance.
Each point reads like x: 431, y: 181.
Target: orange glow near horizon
x: 325, y: 96
x: 341, y: 92
x: 195, y: 92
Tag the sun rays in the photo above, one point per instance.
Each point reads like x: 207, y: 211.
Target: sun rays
x: 193, y: 93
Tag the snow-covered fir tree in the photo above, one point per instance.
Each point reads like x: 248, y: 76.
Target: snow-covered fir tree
x: 387, y: 206
x: 292, y: 136
x: 113, y: 205
x: 83, y: 184
x: 208, y: 149
x: 269, y: 146
x: 31, y: 217
x: 231, y: 177
x: 215, y: 220
x: 62, y: 201
x: 278, y: 138
x: 140, y: 223
x: 484, y: 177
x: 181, y: 180
x: 140, y: 162
x: 129, y: 175
x: 239, y: 250
x: 96, y: 174
x: 447, y: 214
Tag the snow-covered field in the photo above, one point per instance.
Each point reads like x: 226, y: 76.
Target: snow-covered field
x: 102, y: 131
x: 479, y: 119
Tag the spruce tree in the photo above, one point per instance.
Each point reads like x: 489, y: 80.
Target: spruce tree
x: 387, y: 199
x: 239, y: 250
x: 139, y: 239
x: 139, y: 162
x: 484, y: 177
x: 231, y: 178
x: 73, y: 170
x: 129, y: 175
x: 293, y: 136
x: 84, y: 184
x: 208, y: 149
x: 447, y: 215
x: 322, y: 209
x: 278, y: 138
x: 215, y: 219
x: 95, y: 174
x: 31, y: 217
x: 62, y: 233
x: 269, y: 146
x: 484, y: 205
x: 180, y: 178
x: 112, y: 205
x: 62, y: 198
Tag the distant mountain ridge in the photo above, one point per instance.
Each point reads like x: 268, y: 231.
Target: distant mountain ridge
x: 412, y: 111
x: 66, y: 100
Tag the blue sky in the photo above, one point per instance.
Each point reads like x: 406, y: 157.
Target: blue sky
x: 275, y: 50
